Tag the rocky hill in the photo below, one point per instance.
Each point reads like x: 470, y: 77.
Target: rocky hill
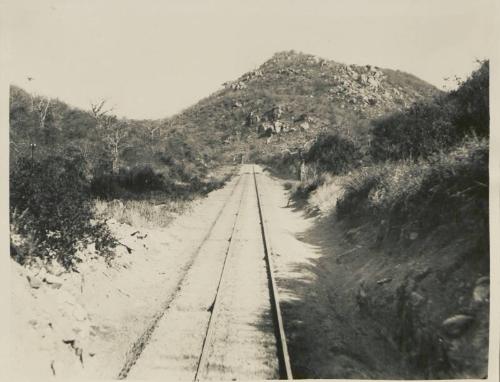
x: 276, y: 108
x: 290, y: 99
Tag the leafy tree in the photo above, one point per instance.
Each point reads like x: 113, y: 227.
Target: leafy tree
x: 50, y: 200
x: 334, y: 153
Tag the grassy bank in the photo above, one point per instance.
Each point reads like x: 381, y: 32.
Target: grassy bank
x: 408, y: 217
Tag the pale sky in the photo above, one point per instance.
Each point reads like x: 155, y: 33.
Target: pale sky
x: 151, y: 59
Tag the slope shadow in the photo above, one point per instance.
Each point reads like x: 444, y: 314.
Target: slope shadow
x: 327, y: 335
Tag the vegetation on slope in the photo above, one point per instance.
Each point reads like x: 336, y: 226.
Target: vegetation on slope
x: 286, y: 102
x: 428, y: 159
x: 289, y: 100
x: 417, y: 202
x: 63, y: 158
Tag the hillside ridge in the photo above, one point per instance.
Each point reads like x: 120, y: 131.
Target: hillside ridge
x: 281, y: 105
x: 291, y: 98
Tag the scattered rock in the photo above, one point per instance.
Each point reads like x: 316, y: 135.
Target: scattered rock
x: 483, y: 280
x: 76, y: 346
x: 41, y: 272
x: 481, y: 293
x: 274, y: 114
x: 252, y: 119
x: 416, y: 298
x: 373, y: 83
x: 34, y: 281
x: 55, y: 268
x: 239, y: 86
x: 280, y: 127
x: 304, y: 126
x: 362, y: 296
x: 422, y: 274
x: 363, y: 79
x: 385, y: 280
x: 54, y: 281
x: 266, y: 129
x: 456, y: 325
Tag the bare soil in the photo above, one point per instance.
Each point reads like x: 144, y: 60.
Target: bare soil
x: 87, y: 326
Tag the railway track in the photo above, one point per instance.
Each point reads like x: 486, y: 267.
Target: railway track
x: 224, y: 321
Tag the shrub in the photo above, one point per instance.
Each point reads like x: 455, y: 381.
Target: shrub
x: 151, y: 213
x: 423, y: 129
x: 446, y: 188
x: 334, y: 153
x: 129, y: 183
x: 473, y: 99
x: 431, y: 126
x: 356, y: 190
x: 50, y: 202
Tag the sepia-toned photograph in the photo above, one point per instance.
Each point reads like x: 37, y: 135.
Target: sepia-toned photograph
x: 248, y: 190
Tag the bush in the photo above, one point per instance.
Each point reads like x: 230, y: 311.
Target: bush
x: 143, y: 183
x: 334, y: 153
x: 421, y: 130
x: 357, y: 187
x: 152, y: 213
x: 50, y: 202
x: 473, y: 99
x: 446, y: 188
x: 435, y: 125
x: 129, y: 183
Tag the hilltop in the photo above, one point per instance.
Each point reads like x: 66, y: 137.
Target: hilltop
x: 290, y: 99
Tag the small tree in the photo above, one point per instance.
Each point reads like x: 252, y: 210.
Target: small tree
x: 114, y: 133
x: 42, y: 109
x: 152, y: 128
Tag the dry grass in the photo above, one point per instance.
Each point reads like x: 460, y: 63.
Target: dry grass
x: 141, y: 213
x: 324, y: 198
x: 426, y: 190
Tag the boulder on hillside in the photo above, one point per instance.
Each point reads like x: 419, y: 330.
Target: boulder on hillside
x: 304, y: 126
x: 265, y: 129
x: 363, y: 79
x: 238, y: 85
x: 481, y: 292
x: 274, y: 114
x: 253, y: 74
x: 252, y: 118
x: 373, y: 82
x: 280, y: 127
x: 457, y: 324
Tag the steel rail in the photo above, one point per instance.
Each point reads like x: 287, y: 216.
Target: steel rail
x: 202, y: 361
x: 283, y: 356
x: 140, y: 344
